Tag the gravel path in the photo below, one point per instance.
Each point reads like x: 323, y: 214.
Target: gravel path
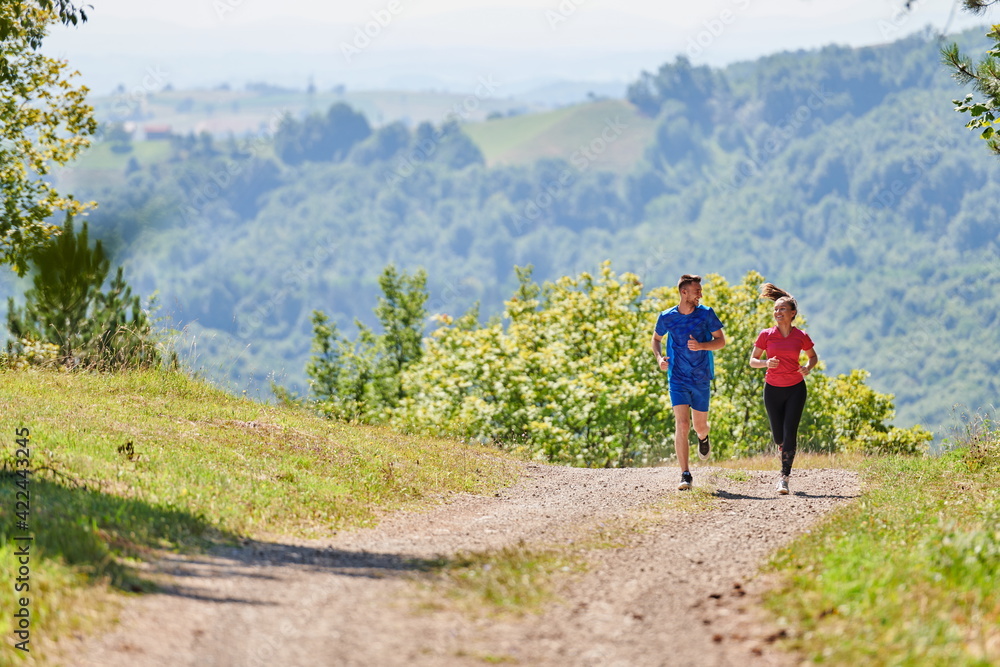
x: 683, y: 592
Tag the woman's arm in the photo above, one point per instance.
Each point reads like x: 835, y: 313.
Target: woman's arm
x: 755, y: 358
x: 811, y: 360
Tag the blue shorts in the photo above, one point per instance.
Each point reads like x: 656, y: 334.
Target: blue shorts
x: 696, y: 397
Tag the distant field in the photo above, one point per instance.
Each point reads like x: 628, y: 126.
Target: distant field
x: 609, y: 130
x: 100, y: 155
x: 99, y: 165
x: 254, y: 112
x: 608, y: 133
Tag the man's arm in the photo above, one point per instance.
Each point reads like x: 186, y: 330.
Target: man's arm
x: 717, y: 343
x: 661, y: 360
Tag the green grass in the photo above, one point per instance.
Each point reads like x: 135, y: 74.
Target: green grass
x: 100, y: 157
x: 513, y: 580
x: 909, y: 575
x: 131, y: 465
x: 98, y: 165
x: 563, y: 132
x: 522, y: 579
x: 803, y: 461
x: 738, y: 476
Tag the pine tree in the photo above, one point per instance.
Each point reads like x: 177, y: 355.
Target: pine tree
x: 360, y: 380
x: 67, y: 308
x: 401, y: 312
x: 984, y: 78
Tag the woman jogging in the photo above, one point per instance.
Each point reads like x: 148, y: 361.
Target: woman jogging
x: 785, y: 381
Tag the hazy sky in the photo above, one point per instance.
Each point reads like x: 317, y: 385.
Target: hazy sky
x: 414, y: 43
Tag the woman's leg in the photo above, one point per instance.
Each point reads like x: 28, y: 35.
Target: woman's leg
x: 795, y: 403
x: 774, y: 403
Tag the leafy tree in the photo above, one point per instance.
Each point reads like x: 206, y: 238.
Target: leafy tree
x: 571, y: 379
x: 455, y: 149
x: 834, y: 202
x: 342, y: 375
x: 66, y: 307
x: 321, y: 138
x: 692, y: 86
x: 984, y: 78
x: 401, y: 312
x: 359, y: 380
x: 44, y: 121
x: 844, y: 414
x: 65, y: 11
x: 386, y: 142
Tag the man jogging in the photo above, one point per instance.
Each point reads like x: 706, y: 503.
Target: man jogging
x: 693, y: 333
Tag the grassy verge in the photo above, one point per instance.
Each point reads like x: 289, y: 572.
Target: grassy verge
x: 908, y: 575
x: 133, y: 464
x: 513, y: 580
x: 803, y: 461
x: 521, y: 579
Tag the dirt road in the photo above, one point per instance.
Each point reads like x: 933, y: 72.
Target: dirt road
x: 683, y: 592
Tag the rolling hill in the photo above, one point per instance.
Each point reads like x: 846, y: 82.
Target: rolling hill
x: 842, y: 174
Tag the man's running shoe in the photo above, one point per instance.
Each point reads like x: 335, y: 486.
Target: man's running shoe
x: 686, y: 480
x: 704, y: 448
x: 783, y: 485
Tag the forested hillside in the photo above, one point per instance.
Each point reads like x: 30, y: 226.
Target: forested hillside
x: 842, y: 175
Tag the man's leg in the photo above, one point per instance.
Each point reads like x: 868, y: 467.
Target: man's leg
x: 700, y: 398
x: 682, y: 421
x: 700, y: 423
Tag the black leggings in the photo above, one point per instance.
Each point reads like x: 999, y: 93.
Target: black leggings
x: 784, y: 410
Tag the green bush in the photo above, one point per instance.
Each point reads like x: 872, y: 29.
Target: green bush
x: 571, y: 378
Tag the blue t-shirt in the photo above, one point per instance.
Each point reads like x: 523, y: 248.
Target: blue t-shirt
x: 688, y: 367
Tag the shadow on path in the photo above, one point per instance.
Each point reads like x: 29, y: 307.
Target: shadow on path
x: 219, y: 570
